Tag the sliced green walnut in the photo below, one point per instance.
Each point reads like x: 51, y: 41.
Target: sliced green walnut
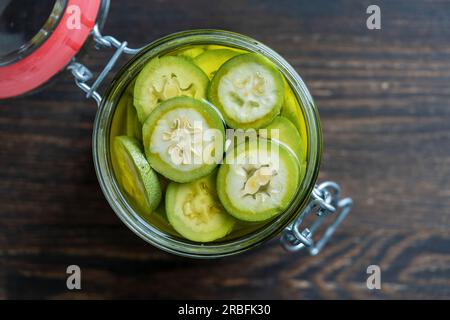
x: 211, y: 60
x: 248, y: 90
x: 164, y: 78
x: 284, y: 131
x: 118, y: 126
x: 135, y: 175
x: 133, y: 126
x: 291, y: 110
x: 258, y: 180
x: 194, y: 210
x: 184, y: 139
x: 191, y: 52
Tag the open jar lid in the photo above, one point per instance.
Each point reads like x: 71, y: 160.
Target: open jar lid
x: 39, y: 38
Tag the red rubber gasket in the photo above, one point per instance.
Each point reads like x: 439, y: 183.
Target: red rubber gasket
x: 53, y: 55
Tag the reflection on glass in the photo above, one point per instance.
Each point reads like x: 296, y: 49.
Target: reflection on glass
x: 25, y: 24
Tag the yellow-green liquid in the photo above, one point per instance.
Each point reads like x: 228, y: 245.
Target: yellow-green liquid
x: 125, y: 122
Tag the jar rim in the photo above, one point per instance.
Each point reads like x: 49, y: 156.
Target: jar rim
x: 36, y: 40
x: 103, y: 166
x: 53, y: 48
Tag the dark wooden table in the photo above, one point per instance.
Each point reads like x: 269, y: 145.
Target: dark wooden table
x: 384, y: 103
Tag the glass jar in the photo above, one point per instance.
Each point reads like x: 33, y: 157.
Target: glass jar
x: 45, y: 46
x: 101, y: 145
x: 38, y: 40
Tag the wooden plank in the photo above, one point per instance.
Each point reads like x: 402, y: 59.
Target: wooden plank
x: 384, y: 103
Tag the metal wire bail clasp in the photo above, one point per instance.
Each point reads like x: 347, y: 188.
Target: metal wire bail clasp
x: 324, y: 202
x: 82, y: 74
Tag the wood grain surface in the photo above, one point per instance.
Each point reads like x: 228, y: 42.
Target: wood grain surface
x: 383, y: 97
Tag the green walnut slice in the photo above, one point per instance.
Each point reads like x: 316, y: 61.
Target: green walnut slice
x: 194, y: 210
x: 184, y: 139
x: 191, y: 53
x: 133, y: 126
x: 291, y: 110
x: 258, y: 180
x: 164, y: 78
x: 135, y: 175
x: 211, y: 60
x: 284, y: 131
x: 248, y: 90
